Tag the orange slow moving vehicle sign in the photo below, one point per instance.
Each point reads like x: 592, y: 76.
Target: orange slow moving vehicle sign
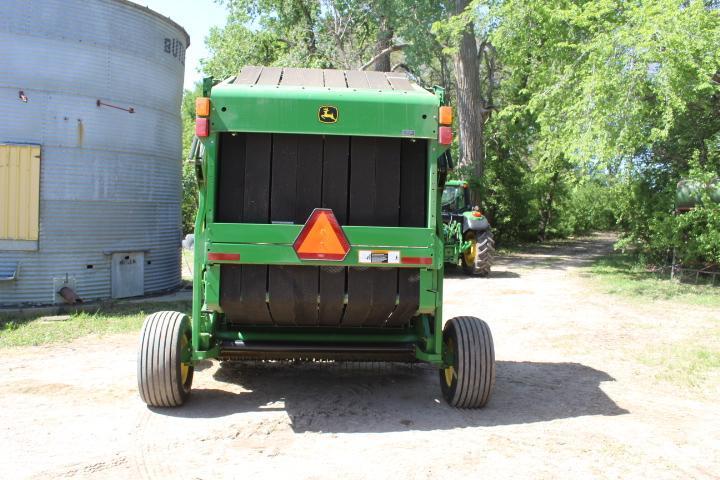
x: 321, y: 238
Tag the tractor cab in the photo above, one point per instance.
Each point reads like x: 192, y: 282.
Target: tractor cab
x: 455, y: 198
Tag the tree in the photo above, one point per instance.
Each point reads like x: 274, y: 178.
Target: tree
x: 348, y: 34
x: 471, y: 115
x: 627, y: 87
x: 475, y: 69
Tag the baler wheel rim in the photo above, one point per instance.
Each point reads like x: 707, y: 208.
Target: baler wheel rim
x: 449, y: 371
x: 470, y: 253
x: 184, y: 366
x: 477, y: 260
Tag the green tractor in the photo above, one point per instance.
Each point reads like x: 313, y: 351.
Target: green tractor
x: 469, y: 242
x: 319, y: 234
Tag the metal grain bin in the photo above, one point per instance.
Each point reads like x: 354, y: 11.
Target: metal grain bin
x: 90, y: 93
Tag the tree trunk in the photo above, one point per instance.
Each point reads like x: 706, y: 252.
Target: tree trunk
x: 469, y: 101
x: 546, y: 208
x: 384, y: 42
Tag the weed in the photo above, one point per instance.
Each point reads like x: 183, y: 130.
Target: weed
x: 688, y: 362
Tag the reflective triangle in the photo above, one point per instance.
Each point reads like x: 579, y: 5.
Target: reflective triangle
x: 322, y: 238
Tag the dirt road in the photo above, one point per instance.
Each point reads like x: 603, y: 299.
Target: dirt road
x: 571, y: 400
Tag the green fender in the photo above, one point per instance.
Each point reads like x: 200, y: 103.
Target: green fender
x: 473, y: 222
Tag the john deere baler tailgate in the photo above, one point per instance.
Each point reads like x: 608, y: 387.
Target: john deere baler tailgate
x: 375, y: 189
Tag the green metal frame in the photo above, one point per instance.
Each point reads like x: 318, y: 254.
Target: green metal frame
x: 293, y: 110
x: 244, y: 108
x: 455, y: 243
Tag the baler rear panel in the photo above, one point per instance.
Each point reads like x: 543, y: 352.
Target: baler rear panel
x: 281, y: 178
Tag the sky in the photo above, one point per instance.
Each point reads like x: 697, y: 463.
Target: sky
x: 196, y: 17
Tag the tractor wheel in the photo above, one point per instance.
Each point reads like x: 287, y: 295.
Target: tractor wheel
x: 477, y: 260
x: 164, y: 380
x: 468, y: 350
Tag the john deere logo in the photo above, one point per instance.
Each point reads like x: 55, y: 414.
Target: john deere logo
x: 328, y: 114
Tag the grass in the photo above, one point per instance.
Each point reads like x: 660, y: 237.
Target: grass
x: 621, y: 274
x: 114, y: 318
x: 692, y: 361
x: 689, y: 362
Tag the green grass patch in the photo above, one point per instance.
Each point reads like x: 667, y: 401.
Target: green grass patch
x: 621, y: 274
x: 105, y: 320
x: 688, y: 362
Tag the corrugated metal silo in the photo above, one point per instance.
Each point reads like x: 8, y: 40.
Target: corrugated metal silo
x: 101, y: 214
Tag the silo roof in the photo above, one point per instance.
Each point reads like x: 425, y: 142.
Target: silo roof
x: 158, y: 15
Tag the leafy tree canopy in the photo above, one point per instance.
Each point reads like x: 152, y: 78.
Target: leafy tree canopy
x: 589, y: 111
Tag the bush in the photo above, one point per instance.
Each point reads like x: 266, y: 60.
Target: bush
x: 653, y: 230
x: 189, y: 197
x: 696, y: 235
x: 589, y: 206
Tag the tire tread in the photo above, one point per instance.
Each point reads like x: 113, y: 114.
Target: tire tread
x: 158, y: 360
x: 475, y: 367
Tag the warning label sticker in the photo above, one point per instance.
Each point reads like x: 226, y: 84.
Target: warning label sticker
x: 378, y: 256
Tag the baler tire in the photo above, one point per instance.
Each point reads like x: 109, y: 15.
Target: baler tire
x: 468, y: 379
x: 163, y: 379
x: 484, y: 249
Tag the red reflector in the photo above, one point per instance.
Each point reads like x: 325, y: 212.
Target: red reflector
x: 417, y: 260
x: 202, y: 127
x: 445, y: 135
x: 223, y: 257
x: 477, y: 214
x: 321, y: 238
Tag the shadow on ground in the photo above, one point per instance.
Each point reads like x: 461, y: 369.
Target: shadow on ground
x: 458, y: 274
x: 397, y: 397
